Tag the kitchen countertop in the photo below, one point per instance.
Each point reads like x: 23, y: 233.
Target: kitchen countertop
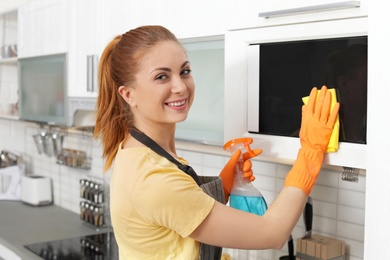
x: 22, y: 224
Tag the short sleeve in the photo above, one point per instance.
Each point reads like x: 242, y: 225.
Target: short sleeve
x: 170, y: 198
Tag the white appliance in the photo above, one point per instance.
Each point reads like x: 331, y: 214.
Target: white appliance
x: 36, y: 190
x: 243, y: 91
x: 10, y: 178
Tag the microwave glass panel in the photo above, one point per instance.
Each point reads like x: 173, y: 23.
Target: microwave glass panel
x: 289, y: 70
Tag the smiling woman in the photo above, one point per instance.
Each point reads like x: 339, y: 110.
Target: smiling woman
x: 145, y: 89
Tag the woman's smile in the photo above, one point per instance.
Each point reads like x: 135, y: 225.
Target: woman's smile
x: 180, y: 104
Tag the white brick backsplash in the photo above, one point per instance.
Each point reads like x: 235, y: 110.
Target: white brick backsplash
x: 324, y: 225
x: 338, y: 206
x: 352, y: 198
x: 350, y: 214
x: 325, y: 209
x: 324, y: 193
x: 350, y: 230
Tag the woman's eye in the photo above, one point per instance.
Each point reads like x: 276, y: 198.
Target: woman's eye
x: 161, y: 77
x: 185, y: 71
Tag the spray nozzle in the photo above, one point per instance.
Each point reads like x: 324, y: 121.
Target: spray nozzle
x: 240, y: 143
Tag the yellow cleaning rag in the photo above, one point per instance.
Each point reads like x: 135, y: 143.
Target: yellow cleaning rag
x: 333, y: 145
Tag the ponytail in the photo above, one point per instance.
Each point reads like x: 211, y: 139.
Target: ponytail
x: 112, y: 112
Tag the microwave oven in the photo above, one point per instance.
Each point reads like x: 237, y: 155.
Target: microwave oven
x: 277, y: 66
x: 284, y: 72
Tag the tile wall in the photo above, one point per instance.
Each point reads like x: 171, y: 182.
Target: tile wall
x: 339, y: 206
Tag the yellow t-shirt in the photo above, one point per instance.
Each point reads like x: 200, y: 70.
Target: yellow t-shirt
x: 155, y: 207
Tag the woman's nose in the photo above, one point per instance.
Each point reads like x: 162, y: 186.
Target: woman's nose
x: 178, y: 85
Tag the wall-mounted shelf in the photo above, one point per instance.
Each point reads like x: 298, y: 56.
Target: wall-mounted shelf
x: 11, y: 61
x: 9, y: 117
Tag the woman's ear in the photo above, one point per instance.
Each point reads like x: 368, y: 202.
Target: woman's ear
x: 127, y: 94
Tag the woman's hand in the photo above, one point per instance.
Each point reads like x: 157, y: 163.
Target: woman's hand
x: 228, y: 172
x: 318, y: 119
x: 316, y: 129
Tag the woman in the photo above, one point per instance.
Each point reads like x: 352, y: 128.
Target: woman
x: 158, y: 209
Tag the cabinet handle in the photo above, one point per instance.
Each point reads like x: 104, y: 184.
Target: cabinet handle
x: 92, y: 64
x: 312, y: 8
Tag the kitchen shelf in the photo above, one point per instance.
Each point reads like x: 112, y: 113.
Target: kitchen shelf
x: 9, y: 117
x: 11, y: 61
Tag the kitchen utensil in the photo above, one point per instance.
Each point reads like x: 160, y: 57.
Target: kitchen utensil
x: 8, y: 159
x: 291, y: 248
x: 8, y: 51
x: 320, y: 247
x: 38, y: 139
x: 57, y: 140
x: 48, y: 146
x: 290, y: 255
x: 308, y: 217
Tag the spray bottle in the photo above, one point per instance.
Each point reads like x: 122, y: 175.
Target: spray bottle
x: 244, y: 196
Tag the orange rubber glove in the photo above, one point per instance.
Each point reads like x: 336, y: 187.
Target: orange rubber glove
x: 228, y: 172
x: 318, y: 119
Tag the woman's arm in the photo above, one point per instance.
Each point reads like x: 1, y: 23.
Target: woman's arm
x: 227, y: 227
x: 232, y: 228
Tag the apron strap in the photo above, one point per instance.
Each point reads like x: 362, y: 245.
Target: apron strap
x: 147, y: 141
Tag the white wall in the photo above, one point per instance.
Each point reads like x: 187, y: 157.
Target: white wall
x: 377, y: 229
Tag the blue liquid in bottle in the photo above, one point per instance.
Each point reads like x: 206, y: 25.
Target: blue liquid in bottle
x: 244, y: 196
x: 255, y: 205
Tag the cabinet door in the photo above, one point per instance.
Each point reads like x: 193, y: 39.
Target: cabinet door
x: 86, y: 32
x: 43, y: 27
x: 186, y: 19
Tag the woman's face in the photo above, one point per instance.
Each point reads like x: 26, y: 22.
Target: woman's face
x: 164, y: 89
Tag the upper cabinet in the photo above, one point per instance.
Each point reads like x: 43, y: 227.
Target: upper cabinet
x: 8, y: 65
x: 44, y: 27
x: 262, y: 13
x: 85, y: 44
x: 83, y: 28
x: 65, y: 26
x: 186, y: 19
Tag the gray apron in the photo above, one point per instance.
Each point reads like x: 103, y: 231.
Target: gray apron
x: 210, y: 185
x: 213, y: 187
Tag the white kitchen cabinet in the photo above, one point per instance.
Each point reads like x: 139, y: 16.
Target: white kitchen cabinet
x: 85, y: 39
x: 186, y: 19
x: 8, y: 65
x: 43, y: 27
x: 251, y: 14
x: 63, y: 26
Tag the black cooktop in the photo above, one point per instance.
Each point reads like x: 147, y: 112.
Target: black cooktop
x: 94, y: 247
